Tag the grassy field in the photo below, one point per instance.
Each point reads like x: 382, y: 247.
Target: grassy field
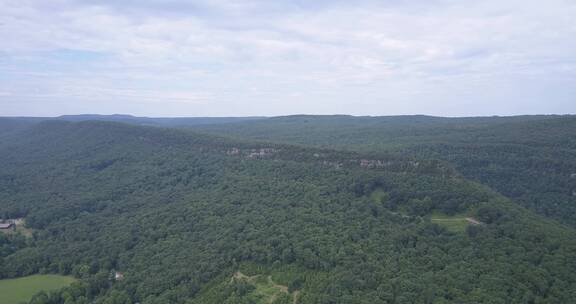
x: 14, y: 291
x: 266, y: 290
x: 20, y: 228
x: 454, y: 223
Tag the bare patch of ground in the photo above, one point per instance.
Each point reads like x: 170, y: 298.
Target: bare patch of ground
x: 270, y: 289
x: 473, y: 221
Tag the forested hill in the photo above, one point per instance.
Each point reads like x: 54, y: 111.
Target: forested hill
x: 92, y: 136
x: 531, y: 159
x: 11, y: 126
x: 382, y: 132
x: 189, y: 218
x: 7, y: 122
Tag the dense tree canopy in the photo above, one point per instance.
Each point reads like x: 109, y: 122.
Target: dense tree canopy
x: 531, y: 159
x: 180, y: 214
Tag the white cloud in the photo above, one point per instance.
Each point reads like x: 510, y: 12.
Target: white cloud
x: 417, y: 57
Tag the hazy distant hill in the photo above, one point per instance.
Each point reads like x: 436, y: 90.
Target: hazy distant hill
x: 8, y: 122
x: 374, y: 132
x: 159, y: 121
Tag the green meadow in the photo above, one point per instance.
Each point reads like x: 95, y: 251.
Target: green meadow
x: 14, y: 291
x: 454, y: 223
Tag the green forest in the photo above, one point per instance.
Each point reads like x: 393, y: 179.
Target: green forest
x: 299, y: 209
x: 531, y: 159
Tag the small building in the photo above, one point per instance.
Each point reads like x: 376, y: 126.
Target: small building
x: 6, y: 225
x: 118, y: 276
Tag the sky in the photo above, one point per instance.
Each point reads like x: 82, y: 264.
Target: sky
x: 281, y: 57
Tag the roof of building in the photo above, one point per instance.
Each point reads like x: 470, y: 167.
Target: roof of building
x: 5, y: 225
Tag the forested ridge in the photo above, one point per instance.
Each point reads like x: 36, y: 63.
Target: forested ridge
x: 531, y: 159
x: 182, y: 214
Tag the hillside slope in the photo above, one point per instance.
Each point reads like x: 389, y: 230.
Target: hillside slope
x: 531, y: 159
x: 180, y: 214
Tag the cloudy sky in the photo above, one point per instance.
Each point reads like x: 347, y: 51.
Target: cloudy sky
x: 277, y: 57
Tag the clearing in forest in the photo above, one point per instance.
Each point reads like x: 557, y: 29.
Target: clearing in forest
x: 267, y: 291
x: 20, y: 227
x: 22, y: 289
x: 454, y: 223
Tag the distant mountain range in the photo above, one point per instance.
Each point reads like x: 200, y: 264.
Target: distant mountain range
x: 157, y: 121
